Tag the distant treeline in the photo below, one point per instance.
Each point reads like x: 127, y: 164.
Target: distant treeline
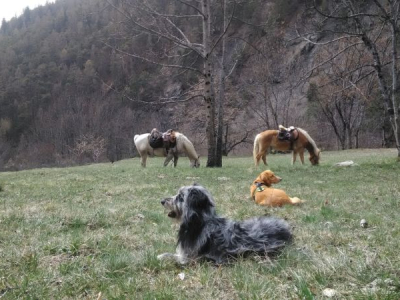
x: 67, y: 96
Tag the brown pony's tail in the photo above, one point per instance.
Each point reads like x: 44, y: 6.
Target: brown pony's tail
x: 256, y: 149
x: 296, y: 201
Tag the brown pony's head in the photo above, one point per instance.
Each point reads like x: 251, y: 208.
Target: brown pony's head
x: 314, y: 157
x: 307, y: 142
x: 268, y: 178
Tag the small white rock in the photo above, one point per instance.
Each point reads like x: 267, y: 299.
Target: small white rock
x: 328, y: 224
x: 329, y: 293
x: 347, y: 163
x: 364, y: 223
x: 181, y: 276
x: 389, y: 281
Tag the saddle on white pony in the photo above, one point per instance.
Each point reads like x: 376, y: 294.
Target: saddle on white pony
x: 176, y: 142
x: 165, y: 140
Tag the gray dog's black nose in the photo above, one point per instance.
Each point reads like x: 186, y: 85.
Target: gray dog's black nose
x: 163, y: 202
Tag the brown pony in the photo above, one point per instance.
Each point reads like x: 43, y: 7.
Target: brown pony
x: 269, y: 138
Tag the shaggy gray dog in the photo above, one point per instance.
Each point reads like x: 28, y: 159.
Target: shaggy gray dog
x: 203, y: 234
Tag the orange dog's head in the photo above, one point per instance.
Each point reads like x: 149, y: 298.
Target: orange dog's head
x: 268, y: 178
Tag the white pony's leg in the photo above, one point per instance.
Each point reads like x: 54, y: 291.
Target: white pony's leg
x: 294, y: 156
x: 143, y: 158
x: 168, y: 158
x: 175, y: 160
x: 173, y: 153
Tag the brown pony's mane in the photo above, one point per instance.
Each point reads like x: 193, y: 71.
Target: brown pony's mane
x: 311, y: 146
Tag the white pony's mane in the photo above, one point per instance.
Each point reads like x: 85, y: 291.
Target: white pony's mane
x: 187, y: 145
x: 308, y: 137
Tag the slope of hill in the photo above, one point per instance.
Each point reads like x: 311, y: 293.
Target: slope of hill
x: 62, y: 87
x: 94, y: 232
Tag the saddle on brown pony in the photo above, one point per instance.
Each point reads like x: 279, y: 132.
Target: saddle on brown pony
x: 288, y: 134
x: 165, y: 140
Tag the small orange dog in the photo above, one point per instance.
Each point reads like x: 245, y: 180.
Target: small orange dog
x: 262, y: 192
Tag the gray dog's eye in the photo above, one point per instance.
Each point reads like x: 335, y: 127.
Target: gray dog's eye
x: 180, y: 198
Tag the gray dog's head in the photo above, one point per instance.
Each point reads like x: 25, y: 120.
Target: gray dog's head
x: 193, y: 200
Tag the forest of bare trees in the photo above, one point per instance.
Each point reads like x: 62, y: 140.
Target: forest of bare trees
x: 79, y: 78
x: 359, y: 64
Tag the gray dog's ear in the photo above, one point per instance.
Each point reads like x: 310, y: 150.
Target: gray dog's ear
x: 198, y: 204
x: 198, y: 198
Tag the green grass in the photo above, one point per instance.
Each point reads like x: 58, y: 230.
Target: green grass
x: 73, y: 233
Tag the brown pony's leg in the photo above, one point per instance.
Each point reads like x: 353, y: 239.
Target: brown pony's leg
x: 301, y: 154
x: 258, y: 157
x: 264, y: 158
x: 262, y: 154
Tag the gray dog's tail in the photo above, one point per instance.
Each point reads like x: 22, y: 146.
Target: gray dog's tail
x: 269, y: 235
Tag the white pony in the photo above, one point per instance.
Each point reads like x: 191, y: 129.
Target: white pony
x: 183, y: 145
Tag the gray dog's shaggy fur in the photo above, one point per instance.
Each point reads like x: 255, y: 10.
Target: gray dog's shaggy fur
x: 203, y: 233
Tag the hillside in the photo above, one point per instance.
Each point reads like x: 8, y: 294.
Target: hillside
x: 63, y: 86
x: 94, y: 232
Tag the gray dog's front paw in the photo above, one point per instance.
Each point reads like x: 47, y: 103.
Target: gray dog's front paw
x: 163, y: 256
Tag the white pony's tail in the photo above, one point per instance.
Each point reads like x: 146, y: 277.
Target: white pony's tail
x: 135, y: 137
x: 256, y: 148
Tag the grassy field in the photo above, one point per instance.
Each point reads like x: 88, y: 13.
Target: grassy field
x: 93, y: 232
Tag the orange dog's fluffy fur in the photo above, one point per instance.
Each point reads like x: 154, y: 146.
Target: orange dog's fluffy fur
x: 270, y: 196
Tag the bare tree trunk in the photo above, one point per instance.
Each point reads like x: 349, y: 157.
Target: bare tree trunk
x: 225, y: 141
x: 221, y: 95
x: 349, y: 138
x: 395, y: 73
x: 342, y: 138
x: 357, y: 139
x: 208, y: 89
x: 220, y: 119
x: 210, y: 126
x: 391, y: 103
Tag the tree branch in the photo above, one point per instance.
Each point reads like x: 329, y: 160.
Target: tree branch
x: 225, y: 29
x: 192, y: 6
x: 327, y: 61
x: 168, y: 36
x: 151, y: 61
x: 344, y: 17
x: 151, y: 102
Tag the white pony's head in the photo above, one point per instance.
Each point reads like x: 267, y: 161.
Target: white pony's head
x: 186, y: 146
x: 195, y: 163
